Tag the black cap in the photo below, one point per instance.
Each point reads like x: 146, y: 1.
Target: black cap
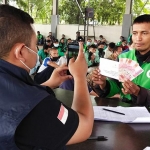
x: 80, y: 39
x: 56, y: 40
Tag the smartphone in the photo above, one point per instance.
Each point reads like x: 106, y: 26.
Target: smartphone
x: 73, y: 50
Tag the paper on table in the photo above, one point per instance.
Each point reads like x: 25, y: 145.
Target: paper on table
x: 109, y: 68
x: 147, y: 148
x: 132, y: 114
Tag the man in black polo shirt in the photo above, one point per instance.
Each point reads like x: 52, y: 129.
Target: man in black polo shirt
x: 30, y: 115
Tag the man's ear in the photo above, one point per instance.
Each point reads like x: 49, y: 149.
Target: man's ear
x: 18, y: 51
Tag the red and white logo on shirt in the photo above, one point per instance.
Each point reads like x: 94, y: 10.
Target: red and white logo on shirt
x: 63, y: 114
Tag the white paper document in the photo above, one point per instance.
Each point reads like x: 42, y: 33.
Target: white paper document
x: 125, y: 69
x: 132, y: 114
x: 109, y: 68
x: 147, y: 148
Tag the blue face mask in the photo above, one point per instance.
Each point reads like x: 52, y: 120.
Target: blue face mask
x: 32, y: 70
x: 88, y: 43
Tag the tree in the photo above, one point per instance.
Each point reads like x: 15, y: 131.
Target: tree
x: 40, y: 10
x: 107, y: 12
x: 139, y: 7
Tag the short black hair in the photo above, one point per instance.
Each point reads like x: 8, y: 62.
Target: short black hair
x: 116, y: 48
x: 15, y: 26
x: 111, y: 45
x: 45, y: 47
x: 56, y: 40
x: 124, y: 40
x: 93, y: 46
x: 101, y: 43
x: 142, y: 19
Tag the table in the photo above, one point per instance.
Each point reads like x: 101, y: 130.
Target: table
x: 120, y: 136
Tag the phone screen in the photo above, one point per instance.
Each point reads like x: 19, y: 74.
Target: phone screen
x: 73, y: 50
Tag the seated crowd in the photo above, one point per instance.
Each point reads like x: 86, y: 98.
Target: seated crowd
x: 99, y: 85
x: 54, y: 54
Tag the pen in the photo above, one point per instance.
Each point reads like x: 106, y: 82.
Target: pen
x: 98, y: 138
x: 114, y: 111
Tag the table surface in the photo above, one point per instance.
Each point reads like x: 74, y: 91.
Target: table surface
x: 120, y: 136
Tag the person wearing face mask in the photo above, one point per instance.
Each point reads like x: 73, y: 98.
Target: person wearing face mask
x: 87, y: 45
x: 116, y: 52
x: 47, y: 67
x: 63, y: 47
x: 37, y: 65
x: 59, y: 47
x: 95, y: 42
x: 31, y: 117
x: 109, y: 49
x: 92, y: 58
x: 124, y: 45
x: 100, y: 50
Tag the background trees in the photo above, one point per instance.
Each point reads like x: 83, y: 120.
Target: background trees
x: 107, y: 12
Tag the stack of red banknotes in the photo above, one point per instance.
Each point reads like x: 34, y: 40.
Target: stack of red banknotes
x: 128, y: 69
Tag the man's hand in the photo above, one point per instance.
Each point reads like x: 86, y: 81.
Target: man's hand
x: 130, y: 88
x: 58, y: 76
x: 78, y: 67
x: 99, y: 79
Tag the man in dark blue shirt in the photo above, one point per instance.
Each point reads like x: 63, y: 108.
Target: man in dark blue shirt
x: 30, y: 115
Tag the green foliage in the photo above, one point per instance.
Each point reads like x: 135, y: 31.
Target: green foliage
x: 139, y: 7
x: 106, y: 12
x: 40, y: 10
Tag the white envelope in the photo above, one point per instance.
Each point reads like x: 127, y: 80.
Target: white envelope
x: 109, y: 68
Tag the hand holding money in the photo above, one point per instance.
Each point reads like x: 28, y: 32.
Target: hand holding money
x: 130, y: 88
x: 99, y: 79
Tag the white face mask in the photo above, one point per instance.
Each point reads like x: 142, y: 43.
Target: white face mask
x: 56, y: 45
x: 88, y: 43
x: 32, y: 70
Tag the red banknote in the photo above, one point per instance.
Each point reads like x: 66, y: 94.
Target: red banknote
x: 128, y: 69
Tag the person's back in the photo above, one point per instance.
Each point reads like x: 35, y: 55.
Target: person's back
x: 30, y: 115
x: 43, y: 53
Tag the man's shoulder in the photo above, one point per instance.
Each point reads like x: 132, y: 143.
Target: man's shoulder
x: 46, y: 60
x: 40, y: 51
x: 128, y: 54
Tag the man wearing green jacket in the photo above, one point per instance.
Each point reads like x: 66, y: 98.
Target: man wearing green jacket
x: 92, y: 58
x: 137, y: 90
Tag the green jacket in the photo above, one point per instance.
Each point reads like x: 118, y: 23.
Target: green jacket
x: 40, y: 36
x: 42, y: 54
x: 141, y: 80
x: 89, y: 62
x: 61, y: 51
